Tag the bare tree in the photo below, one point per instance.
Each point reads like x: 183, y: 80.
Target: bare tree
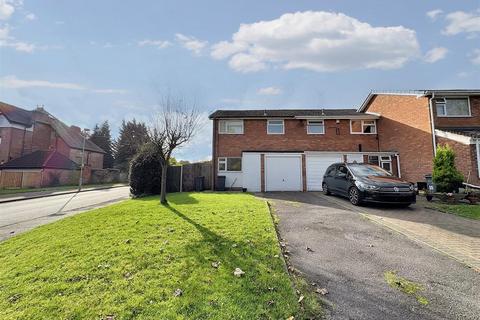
x: 173, y: 126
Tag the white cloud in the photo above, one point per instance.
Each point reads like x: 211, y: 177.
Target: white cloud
x: 319, y: 41
x: 191, y: 43
x: 31, y: 16
x: 8, y: 41
x: 108, y: 45
x: 159, y: 44
x: 12, y: 82
x: 269, y: 91
x: 462, y: 22
x: 435, y: 54
x: 433, y: 14
x: 6, y: 9
x: 475, y: 57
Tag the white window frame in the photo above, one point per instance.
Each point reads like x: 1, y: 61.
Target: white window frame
x: 383, y: 161
x: 363, y: 125
x: 224, y: 160
x: 445, y: 115
x: 283, y: 126
x: 308, y: 126
x: 226, y: 126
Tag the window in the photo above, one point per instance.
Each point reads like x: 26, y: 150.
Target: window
x: 275, y: 127
x: 229, y: 164
x: 452, y: 107
x: 315, y: 127
x: 384, y: 162
x: 363, y: 127
x: 331, y: 171
x: 231, y: 126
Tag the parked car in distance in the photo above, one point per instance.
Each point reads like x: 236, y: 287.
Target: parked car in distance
x: 367, y: 183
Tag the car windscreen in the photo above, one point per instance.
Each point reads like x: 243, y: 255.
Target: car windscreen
x: 368, y: 170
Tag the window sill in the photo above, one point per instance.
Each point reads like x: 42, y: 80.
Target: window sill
x: 230, y: 133
x: 468, y: 116
x: 363, y: 133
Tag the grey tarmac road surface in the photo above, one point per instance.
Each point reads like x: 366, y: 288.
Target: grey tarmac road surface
x: 351, y: 255
x: 20, y: 216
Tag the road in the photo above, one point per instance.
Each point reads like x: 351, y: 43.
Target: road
x: 20, y: 216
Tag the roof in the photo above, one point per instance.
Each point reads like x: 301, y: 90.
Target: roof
x: 16, y: 115
x: 419, y: 93
x: 472, y: 132
x: 289, y: 113
x: 41, y: 160
x: 72, y: 137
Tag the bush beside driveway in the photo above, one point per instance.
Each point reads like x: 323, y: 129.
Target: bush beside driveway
x: 356, y: 260
x: 141, y: 260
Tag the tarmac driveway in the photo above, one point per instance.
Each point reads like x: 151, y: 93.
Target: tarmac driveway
x: 351, y: 255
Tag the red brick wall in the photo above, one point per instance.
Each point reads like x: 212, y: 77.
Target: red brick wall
x: 66, y: 177
x: 255, y: 137
x: 5, y: 144
x: 473, y: 121
x: 465, y: 158
x: 15, y: 143
x: 43, y: 137
x: 405, y: 127
x: 92, y: 159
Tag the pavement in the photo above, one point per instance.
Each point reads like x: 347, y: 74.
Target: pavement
x: 19, y: 216
x: 352, y: 252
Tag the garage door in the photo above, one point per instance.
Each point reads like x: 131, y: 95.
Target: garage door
x: 316, y: 166
x: 283, y: 173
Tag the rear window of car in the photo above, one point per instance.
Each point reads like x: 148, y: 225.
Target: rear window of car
x: 368, y: 170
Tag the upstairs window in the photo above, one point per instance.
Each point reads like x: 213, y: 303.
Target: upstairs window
x: 229, y: 164
x: 452, y: 107
x: 315, y: 127
x: 363, y: 127
x: 230, y: 126
x: 275, y: 127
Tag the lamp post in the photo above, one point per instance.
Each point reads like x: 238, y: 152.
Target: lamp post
x: 80, y: 180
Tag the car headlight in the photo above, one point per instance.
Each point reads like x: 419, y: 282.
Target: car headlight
x: 365, y: 186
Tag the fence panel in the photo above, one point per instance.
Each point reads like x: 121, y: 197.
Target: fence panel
x: 193, y: 170
x: 173, y: 178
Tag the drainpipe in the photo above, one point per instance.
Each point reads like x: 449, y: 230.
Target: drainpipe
x: 398, y: 165
x: 432, y: 123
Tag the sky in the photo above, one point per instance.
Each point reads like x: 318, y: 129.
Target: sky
x: 91, y: 61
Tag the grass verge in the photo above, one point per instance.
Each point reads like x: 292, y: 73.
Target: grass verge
x: 464, y: 210
x: 128, y: 260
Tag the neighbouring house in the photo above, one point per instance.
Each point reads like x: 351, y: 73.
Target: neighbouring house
x: 289, y: 150
x: 414, y: 123
x: 36, y: 140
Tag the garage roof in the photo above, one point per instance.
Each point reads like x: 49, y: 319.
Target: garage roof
x: 41, y: 160
x: 292, y: 113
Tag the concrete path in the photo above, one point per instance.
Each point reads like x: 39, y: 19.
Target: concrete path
x: 20, y: 216
x: 351, y: 255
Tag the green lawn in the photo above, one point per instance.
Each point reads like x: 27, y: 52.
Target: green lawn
x: 463, y: 210
x: 14, y: 191
x: 128, y: 259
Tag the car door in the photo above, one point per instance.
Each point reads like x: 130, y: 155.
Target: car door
x: 329, y: 175
x: 341, y: 181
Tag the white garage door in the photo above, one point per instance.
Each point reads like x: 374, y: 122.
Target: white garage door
x: 316, y: 166
x: 283, y: 173
x: 355, y: 157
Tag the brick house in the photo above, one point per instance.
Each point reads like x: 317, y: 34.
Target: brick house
x: 415, y: 123
x: 289, y: 150
x: 28, y: 138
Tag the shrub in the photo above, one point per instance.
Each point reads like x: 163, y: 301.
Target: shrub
x: 445, y: 174
x: 145, y: 171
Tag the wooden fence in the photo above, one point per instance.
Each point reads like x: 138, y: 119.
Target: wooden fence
x: 182, y: 178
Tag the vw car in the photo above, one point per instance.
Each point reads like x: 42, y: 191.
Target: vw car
x: 367, y: 183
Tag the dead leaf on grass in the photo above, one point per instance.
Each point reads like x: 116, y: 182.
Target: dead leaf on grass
x: 238, y: 272
x: 300, y: 299
x: 216, y: 264
x: 178, y: 293
x: 322, y: 291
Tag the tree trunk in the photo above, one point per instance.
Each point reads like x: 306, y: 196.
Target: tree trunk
x: 163, y: 187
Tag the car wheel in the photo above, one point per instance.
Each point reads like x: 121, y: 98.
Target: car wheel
x: 325, y: 189
x: 354, y: 196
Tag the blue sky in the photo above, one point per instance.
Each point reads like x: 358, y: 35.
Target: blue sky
x: 90, y: 61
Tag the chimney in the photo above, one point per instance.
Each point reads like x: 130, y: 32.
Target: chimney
x: 76, y: 129
x: 40, y: 108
